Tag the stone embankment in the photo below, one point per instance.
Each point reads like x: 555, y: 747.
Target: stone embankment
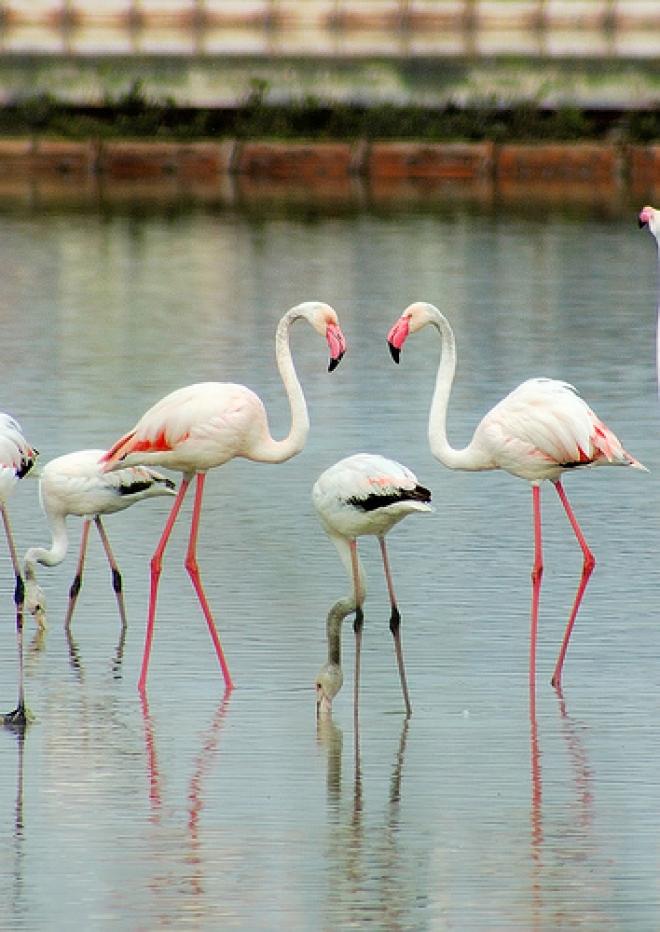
x: 593, y: 166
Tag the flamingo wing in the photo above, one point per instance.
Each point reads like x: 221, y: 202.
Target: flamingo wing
x: 367, y: 494
x: 545, y: 421
x: 76, y: 484
x: 193, y: 429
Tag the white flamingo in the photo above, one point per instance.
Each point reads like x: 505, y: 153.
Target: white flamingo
x: 17, y: 458
x: 650, y: 217
x: 362, y: 495
x: 537, y: 432
x: 201, y: 426
x: 76, y: 484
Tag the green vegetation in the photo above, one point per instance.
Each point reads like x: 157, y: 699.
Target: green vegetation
x: 135, y: 115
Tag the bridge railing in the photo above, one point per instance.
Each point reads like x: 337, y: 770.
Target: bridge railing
x: 353, y: 29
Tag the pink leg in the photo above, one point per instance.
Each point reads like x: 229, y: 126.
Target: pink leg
x: 156, y: 567
x: 116, y: 575
x: 17, y: 718
x: 395, y: 626
x: 537, y: 574
x: 357, y: 628
x: 193, y: 570
x: 587, y: 570
x: 77, y: 579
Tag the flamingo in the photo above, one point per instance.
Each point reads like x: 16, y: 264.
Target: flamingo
x: 362, y: 495
x: 650, y: 217
x: 17, y: 458
x: 540, y: 430
x: 196, y: 428
x: 76, y: 484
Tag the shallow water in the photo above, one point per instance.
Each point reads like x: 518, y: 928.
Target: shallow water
x: 201, y: 810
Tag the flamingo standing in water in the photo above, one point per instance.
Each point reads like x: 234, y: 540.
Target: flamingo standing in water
x: 76, y: 484
x: 650, y: 217
x: 537, y: 432
x: 362, y: 495
x: 17, y: 458
x: 207, y: 424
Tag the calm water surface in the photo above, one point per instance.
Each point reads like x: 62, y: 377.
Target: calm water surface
x: 204, y: 811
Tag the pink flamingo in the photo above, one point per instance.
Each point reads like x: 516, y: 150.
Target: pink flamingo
x: 537, y: 432
x: 17, y: 458
x: 207, y: 424
x: 650, y: 217
x: 362, y: 495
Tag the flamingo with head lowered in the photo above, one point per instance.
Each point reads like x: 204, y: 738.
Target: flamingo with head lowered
x: 204, y: 425
x: 75, y: 484
x: 362, y: 495
x: 539, y: 431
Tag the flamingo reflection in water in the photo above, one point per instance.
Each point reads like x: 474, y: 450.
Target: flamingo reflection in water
x: 204, y: 761
x: 540, y: 430
x: 366, y: 857
x: 362, y: 495
x: 563, y: 832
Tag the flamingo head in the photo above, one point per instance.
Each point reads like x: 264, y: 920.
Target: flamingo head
x: 413, y: 318
x: 35, y: 599
x: 650, y: 217
x: 328, y: 683
x: 324, y: 320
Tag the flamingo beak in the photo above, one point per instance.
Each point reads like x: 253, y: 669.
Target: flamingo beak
x: 336, y: 344
x: 397, y: 337
x: 645, y: 217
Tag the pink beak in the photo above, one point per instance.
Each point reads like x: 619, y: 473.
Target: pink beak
x: 336, y: 344
x: 397, y: 337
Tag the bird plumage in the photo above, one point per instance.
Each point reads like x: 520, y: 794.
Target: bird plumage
x: 363, y: 494
x: 76, y: 484
x: 17, y: 458
x: 204, y: 425
x: 539, y: 431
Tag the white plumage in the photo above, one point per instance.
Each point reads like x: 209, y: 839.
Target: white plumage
x: 17, y: 458
x: 537, y: 432
x: 364, y: 494
x: 76, y: 484
x: 201, y: 426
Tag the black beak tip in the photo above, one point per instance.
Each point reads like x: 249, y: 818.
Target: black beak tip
x: 641, y: 223
x: 395, y: 352
x: 332, y: 365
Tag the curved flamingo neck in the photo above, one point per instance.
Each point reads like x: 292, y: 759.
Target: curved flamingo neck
x: 277, y: 451
x: 58, y: 548
x: 334, y: 622
x: 469, y: 457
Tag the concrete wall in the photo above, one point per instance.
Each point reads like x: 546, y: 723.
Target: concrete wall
x: 209, y: 52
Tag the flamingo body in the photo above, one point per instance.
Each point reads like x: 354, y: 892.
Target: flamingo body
x: 201, y: 426
x: 17, y: 458
x: 196, y: 428
x: 539, y: 431
x: 364, y: 494
x: 76, y: 484
x: 16, y: 455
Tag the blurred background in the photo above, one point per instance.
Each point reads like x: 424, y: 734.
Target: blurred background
x: 201, y: 53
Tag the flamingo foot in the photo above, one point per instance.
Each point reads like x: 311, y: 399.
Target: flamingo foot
x: 18, y: 720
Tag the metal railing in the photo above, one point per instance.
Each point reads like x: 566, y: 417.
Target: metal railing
x: 353, y: 29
